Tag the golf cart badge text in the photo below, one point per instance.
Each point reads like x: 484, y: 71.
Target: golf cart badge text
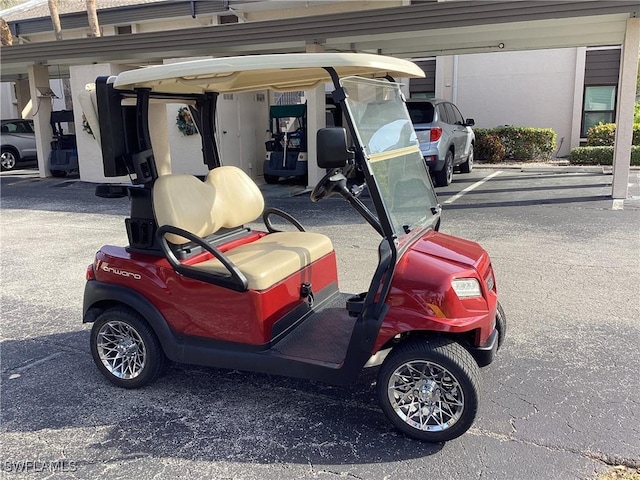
x: 122, y: 273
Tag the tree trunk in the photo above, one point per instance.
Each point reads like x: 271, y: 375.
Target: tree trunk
x: 92, y: 15
x: 7, y: 38
x: 57, y: 29
x: 55, y: 18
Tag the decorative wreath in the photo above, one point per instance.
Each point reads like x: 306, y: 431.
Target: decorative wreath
x: 86, y: 127
x: 185, y: 123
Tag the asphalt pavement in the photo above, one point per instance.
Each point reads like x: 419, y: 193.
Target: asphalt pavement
x: 561, y: 400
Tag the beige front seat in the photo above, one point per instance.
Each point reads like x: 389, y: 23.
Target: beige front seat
x: 235, y: 200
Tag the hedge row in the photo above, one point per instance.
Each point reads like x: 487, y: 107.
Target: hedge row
x: 605, y: 134
x: 600, y: 155
x: 520, y: 143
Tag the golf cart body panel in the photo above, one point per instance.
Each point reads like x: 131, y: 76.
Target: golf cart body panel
x: 218, y: 293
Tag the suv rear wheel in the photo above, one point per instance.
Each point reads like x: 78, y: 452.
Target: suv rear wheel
x: 444, y: 177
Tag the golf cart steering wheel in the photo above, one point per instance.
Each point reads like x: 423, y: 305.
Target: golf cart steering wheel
x: 333, y: 182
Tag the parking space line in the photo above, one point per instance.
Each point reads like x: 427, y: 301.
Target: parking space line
x: 471, y: 187
x: 37, y: 362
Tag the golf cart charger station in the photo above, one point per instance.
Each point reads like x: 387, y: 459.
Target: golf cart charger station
x: 195, y: 285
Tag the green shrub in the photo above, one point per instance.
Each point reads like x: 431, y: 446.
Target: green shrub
x: 520, y: 143
x: 602, y: 155
x: 488, y: 146
x: 605, y: 134
x: 636, y: 113
x: 601, y: 135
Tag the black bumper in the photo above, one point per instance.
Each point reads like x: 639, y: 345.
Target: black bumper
x: 485, y: 354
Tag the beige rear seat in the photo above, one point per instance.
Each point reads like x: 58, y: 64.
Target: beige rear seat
x: 235, y: 200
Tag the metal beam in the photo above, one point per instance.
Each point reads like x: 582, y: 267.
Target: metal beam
x: 288, y: 35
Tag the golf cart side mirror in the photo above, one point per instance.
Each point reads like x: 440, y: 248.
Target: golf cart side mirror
x: 332, y: 148
x: 469, y: 122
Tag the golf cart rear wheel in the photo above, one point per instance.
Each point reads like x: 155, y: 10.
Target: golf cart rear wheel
x: 444, y: 177
x: 429, y: 389
x: 59, y: 173
x: 125, y: 349
x: 501, y: 324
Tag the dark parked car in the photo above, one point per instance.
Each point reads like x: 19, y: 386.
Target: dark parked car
x: 18, y: 141
x: 446, y: 138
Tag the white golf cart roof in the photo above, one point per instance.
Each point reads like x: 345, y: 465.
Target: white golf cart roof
x: 280, y: 72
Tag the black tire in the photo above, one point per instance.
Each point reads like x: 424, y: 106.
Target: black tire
x: 467, y: 166
x: 444, y: 177
x: 453, y: 379
x: 119, y: 331
x: 501, y: 325
x: 59, y: 173
x: 271, y: 179
x: 9, y: 158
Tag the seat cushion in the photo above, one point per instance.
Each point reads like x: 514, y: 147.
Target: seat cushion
x: 185, y: 202
x: 238, y: 198
x: 274, y: 257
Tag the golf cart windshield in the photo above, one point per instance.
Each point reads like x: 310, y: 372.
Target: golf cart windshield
x: 392, y: 151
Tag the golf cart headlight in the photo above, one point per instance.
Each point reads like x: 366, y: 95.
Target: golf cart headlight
x: 466, y: 287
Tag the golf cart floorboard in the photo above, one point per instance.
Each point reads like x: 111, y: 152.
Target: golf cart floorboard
x: 323, y: 337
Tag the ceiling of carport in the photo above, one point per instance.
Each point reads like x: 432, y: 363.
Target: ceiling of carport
x: 417, y: 30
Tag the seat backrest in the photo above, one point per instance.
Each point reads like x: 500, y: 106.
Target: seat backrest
x: 238, y: 200
x: 185, y: 202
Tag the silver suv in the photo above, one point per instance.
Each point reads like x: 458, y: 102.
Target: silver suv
x: 446, y: 138
x: 18, y: 142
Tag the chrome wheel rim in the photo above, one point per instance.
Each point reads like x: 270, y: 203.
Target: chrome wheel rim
x: 7, y: 160
x: 426, y: 396
x: 121, y: 349
x: 449, y: 170
x: 470, y: 159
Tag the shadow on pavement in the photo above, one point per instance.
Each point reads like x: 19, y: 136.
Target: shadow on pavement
x: 195, y: 412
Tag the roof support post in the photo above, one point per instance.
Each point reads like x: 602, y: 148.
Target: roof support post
x: 23, y: 97
x: 316, y: 105
x: 624, y: 115
x: 41, y: 107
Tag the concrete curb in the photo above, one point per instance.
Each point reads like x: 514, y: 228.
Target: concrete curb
x: 601, y: 169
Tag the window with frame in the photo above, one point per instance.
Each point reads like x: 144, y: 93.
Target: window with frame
x: 599, y: 106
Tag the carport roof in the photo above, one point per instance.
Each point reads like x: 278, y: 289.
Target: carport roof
x: 420, y: 29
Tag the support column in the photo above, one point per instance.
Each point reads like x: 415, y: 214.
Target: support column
x: 316, y: 119
x: 578, y: 93
x: 624, y: 115
x: 41, y: 107
x: 22, y: 97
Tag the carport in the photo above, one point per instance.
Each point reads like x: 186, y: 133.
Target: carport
x: 411, y: 31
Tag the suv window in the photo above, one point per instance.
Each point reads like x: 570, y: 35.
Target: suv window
x: 459, y: 117
x: 17, y: 127
x: 454, y: 116
x: 420, y: 112
x: 443, y: 115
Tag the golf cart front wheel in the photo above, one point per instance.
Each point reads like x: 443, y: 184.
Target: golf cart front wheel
x: 429, y: 389
x: 271, y: 179
x: 125, y: 349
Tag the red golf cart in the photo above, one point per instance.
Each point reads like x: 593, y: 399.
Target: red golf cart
x: 196, y: 285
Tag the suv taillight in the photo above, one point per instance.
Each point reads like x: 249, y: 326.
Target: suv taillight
x: 436, y: 133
